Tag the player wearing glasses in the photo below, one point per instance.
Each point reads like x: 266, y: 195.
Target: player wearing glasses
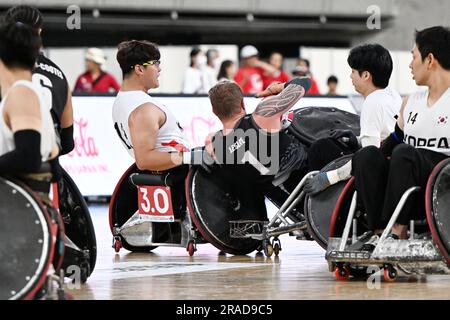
x: 148, y: 130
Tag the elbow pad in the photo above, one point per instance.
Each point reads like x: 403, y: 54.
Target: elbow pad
x: 67, y: 142
x: 26, y: 157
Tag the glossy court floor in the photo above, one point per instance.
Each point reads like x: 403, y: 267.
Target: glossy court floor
x: 300, y: 272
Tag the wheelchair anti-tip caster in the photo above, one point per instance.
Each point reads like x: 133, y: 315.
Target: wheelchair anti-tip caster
x: 268, y: 248
x: 276, y: 244
x: 191, y: 248
x: 342, y: 273
x: 390, y: 273
x: 117, y: 244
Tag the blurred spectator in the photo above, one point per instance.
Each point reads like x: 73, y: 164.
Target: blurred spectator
x: 332, y: 83
x: 195, y: 76
x: 95, y: 79
x: 250, y: 75
x: 212, y: 67
x: 276, y: 60
x: 303, y: 69
x: 227, y: 71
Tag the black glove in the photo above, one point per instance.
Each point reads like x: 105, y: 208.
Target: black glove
x: 316, y: 184
x: 346, y: 138
x: 305, y: 82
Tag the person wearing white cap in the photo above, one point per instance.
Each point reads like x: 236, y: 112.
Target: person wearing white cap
x: 95, y: 79
x: 250, y: 75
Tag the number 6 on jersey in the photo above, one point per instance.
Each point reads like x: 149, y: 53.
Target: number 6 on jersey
x: 155, y: 204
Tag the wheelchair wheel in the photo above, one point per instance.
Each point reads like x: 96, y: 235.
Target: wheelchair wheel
x: 78, y: 225
x: 212, y: 206
x: 437, y: 204
x: 123, y: 205
x: 320, y: 207
x: 27, y: 243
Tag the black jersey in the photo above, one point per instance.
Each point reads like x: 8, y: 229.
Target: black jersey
x: 48, y: 75
x: 256, y: 158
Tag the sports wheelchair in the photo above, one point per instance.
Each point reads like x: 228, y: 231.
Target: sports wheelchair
x: 426, y: 251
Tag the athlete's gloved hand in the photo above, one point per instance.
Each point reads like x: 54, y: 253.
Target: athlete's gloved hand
x: 277, y: 87
x: 199, y: 157
x: 316, y: 184
x: 305, y: 82
x: 346, y: 138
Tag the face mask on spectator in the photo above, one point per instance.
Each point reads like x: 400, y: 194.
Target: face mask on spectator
x: 201, y: 60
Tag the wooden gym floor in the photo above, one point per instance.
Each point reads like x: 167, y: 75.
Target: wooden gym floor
x: 300, y: 272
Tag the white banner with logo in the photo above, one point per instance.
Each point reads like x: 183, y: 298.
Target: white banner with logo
x: 99, y: 159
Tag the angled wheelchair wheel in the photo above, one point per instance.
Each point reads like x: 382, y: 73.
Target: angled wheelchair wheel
x: 123, y: 205
x: 27, y: 241
x: 212, y: 205
x: 310, y: 124
x: 78, y: 225
x: 437, y: 204
x: 320, y: 207
x: 341, y: 209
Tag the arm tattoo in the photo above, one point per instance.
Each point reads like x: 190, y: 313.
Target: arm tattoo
x: 280, y: 103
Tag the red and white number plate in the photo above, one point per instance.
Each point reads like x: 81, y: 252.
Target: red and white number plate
x: 155, y: 203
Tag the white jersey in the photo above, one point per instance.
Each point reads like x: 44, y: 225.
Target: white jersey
x: 378, y: 114
x: 170, y: 137
x: 47, y: 131
x: 428, y: 127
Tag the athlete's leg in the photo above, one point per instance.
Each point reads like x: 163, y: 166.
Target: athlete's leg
x: 370, y: 169
x: 409, y: 167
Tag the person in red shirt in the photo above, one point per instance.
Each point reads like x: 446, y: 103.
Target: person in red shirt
x: 303, y: 69
x: 250, y: 75
x: 276, y: 60
x: 95, y: 79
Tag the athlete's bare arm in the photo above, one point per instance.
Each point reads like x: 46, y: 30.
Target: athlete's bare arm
x: 144, y: 123
x: 268, y: 112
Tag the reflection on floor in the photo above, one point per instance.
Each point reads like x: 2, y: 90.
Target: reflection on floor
x: 300, y: 272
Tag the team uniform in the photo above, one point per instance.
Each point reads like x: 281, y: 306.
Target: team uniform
x: 46, y: 130
x: 55, y: 87
x: 381, y: 182
x: 170, y: 137
x: 378, y: 113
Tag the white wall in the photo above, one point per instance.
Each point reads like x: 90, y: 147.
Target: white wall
x: 327, y: 61
x: 174, y: 61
